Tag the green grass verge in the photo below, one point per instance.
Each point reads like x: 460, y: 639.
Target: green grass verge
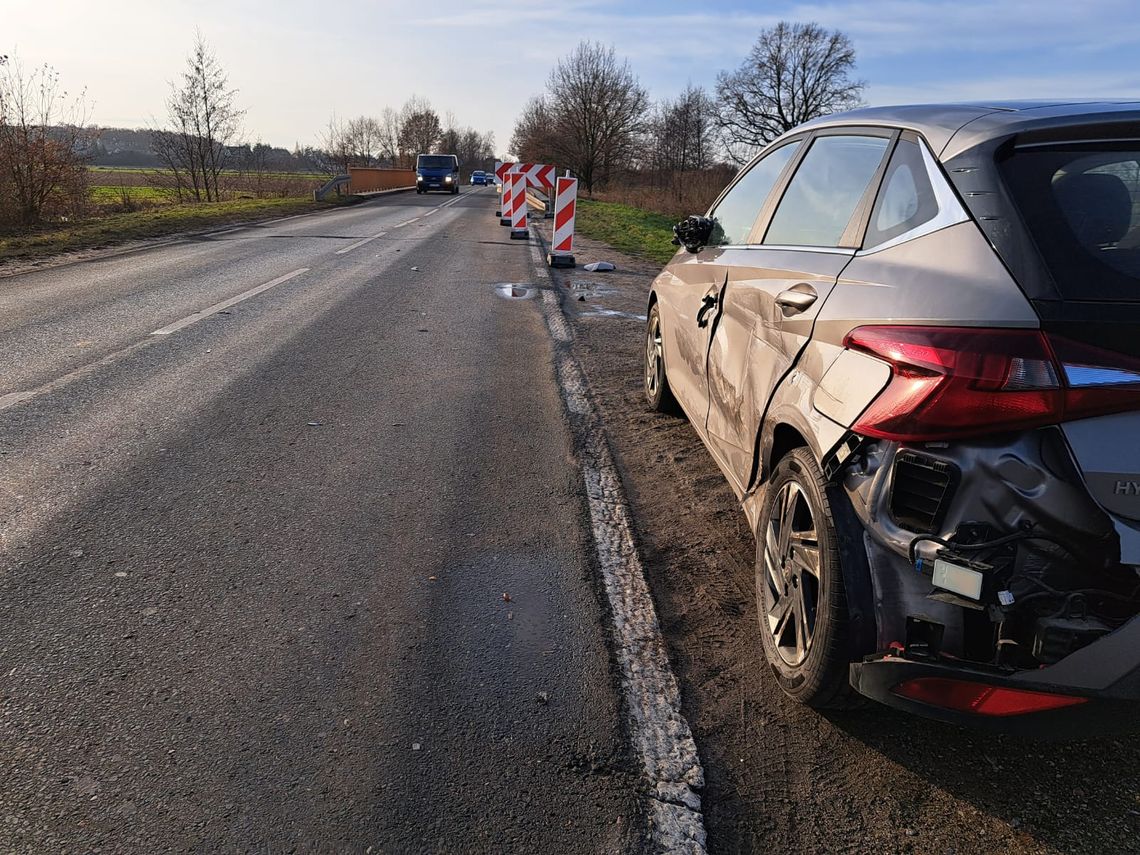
x: 627, y: 229
x: 103, y: 193
x: 155, y: 222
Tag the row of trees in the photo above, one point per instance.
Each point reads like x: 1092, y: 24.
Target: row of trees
x: 395, y: 138
x: 596, y: 118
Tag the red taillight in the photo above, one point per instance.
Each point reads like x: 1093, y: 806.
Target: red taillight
x: 953, y: 382
x: 979, y: 698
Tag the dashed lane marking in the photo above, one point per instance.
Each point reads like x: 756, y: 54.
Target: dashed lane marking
x: 225, y: 304
x: 360, y: 243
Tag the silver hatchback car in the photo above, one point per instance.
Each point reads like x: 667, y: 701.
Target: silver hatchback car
x: 910, y: 338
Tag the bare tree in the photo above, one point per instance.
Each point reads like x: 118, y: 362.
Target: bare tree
x: 389, y: 136
x: 336, y: 147
x: 420, y: 129
x: 795, y: 72
x: 43, y: 144
x: 203, y: 120
x: 683, y: 132
x: 450, y: 136
x: 363, y: 139
x: 533, y: 137
x: 599, y: 111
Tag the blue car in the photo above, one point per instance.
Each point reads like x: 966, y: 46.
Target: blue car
x: 479, y: 178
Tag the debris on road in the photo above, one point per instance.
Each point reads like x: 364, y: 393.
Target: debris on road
x: 315, y: 424
x: 506, y: 597
x: 543, y: 698
x: 599, y: 266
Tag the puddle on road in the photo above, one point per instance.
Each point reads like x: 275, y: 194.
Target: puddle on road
x: 514, y: 290
x: 612, y: 313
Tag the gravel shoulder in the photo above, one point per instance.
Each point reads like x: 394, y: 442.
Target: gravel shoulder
x: 780, y: 777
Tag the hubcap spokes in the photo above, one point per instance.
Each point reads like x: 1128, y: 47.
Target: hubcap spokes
x: 791, y: 574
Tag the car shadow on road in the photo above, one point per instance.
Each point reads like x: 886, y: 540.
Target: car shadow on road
x: 1060, y: 793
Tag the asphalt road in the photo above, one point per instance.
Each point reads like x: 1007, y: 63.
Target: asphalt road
x: 305, y: 572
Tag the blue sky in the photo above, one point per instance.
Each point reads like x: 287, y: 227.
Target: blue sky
x: 297, y: 62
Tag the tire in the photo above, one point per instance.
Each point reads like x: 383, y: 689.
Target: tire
x: 657, y: 392
x: 809, y: 657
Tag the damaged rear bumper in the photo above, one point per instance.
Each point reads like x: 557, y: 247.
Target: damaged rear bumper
x: 1092, y: 693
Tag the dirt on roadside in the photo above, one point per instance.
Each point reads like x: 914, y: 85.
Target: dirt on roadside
x: 780, y: 777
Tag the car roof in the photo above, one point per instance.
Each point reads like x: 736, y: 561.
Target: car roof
x: 953, y: 128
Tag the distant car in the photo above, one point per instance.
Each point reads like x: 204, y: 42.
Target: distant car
x: 910, y: 338
x: 479, y: 178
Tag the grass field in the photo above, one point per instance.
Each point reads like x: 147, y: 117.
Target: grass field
x: 104, y: 194
x: 628, y: 229
x: 106, y: 171
x: 150, y: 223
x: 115, y: 189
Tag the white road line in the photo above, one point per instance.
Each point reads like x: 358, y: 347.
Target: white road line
x: 360, y: 243
x: 13, y: 398
x: 661, y: 735
x: 225, y: 304
x: 405, y: 223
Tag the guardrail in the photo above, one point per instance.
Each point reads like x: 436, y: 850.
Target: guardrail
x: 337, y: 183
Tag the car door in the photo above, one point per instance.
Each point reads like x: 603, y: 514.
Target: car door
x: 776, y: 285
x: 690, y: 290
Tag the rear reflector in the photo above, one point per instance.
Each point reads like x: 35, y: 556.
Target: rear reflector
x: 954, y: 382
x: 980, y: 698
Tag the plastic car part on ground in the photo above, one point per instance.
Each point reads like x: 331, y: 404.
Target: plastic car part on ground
x: 599, y: 266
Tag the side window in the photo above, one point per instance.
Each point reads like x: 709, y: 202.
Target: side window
x: 736, y: 214
x: 826, y: 190
x: 907, y: 199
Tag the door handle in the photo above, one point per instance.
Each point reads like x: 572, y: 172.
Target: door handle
x: 797, y: 299
x: 707, y: 303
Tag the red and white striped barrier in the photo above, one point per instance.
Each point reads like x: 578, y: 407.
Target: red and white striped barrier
x: 505, y: 200
x: 538, y: 175
x: 517, y: 181
x: 565, y: 207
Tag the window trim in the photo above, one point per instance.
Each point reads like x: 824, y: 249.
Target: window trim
x: 951, y: 211
x: 780, y: 180
x: 856, y: 225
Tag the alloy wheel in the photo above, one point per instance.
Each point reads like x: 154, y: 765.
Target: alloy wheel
x: 791, y: 573
x: 653, y: 355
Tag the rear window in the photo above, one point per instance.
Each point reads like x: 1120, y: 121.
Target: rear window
x: 1081, y: 203
x: 436, y: 161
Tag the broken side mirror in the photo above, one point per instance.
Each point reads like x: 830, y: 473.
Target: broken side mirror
x: 693, y: 233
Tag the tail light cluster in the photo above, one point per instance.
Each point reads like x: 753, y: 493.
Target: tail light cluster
x: 954, y: 382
